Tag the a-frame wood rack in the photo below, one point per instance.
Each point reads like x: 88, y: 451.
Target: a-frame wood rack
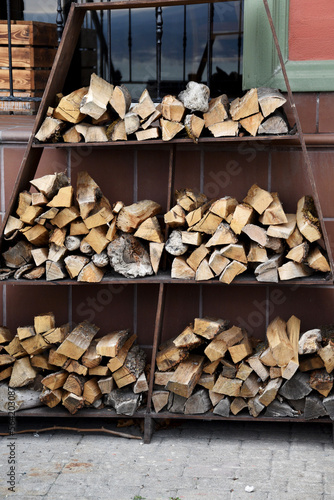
x: 34, y: 151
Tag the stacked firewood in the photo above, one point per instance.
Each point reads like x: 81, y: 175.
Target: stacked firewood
x: 225, y: 238
x: 213, y: 366
x: 103, y: 113
x: 71, y: 367
x: 51, y: 236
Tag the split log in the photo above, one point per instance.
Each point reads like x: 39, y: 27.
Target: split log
x: 141, y: 384
x: 91, y: 391
x: 41, y: 361
x: 227, y: 386
x: 242, y: 215
x: 116, y: 131
x: 120, y: 100
x: 231, y: 271
x: 293, y: 331
x: 57, y: 359
x: 149, y: 133
x: 91, y: 273
x: 172, y: 109
x: 280, y: 409
x: 72, y: 402
x: 283, y: 230
x: 237, y: 405
x: 268, y: 270
x: 133, y: 367
x: 170, y: 356
x: 295, y: 239
x: 130, y: 217
x: 239, y: 351
x: 106, y: 385
x: 124, y: 401
x: 215, y: 397
x: 170, y: 129
x: 218, y: 110
x: 269, y: 393
x: 15, y: 349
x: 35, y: 344
x: 74, y: 264
x: 145, y: 106
x: 175, y: 217
x: 314, y: 407
x: 5, y: 335
x: 223, y: 407
x: 56, y: 253
x: 329, y: 405
x: 111, y: 344
x: 153, y: 118
x: 194, y: 126
x: 65, y: 217
x: 292, y: 270
x: 256, y: 253
x: 78, y: 228
x: 209, y: 328
x: 229, y: 369
x: 55, y: 380
x: 246, y: 106
x: 101, y: 371
x: 150, y: 230
x: 269, y: 100
x: 156, y: 250
x: 267, y: 358
x: 227, y: 128
x: 298, y: 387
x: 72, y: 366
x: 162, y: 378
x: 274, y: 214
x: 310, y: 363
x: 256, y: 364
x: 275, y: 372
x: 321, y: 381
x: 218, y: 262
x: 50, y: 184
x: 235, y: 252
x: 24, y: 332
x: 207, y: 380
x: 258, y: 198
x: 75, y: 384
x: 51, y: 398
x: 49, y: 130
x: 188, y: 339
x: 250, y: 386
x: 195, y: 96
x: 222, y: 236
x: 63, y: 199
x: 37, y: 235
x: 78, y: 341
x: 128, y: 257
x: 159, y: 400
x: 100, y: 259
x: 256, y: 234
x: 68, y: 108
x: 22, y: 374
x: 97, y: 239
x: 316, y: 260
x: 307, y: 219
x: 198, y: 403
x: 244, y: 371
x: 197, y: 256
x: 298, y: 253
x: 25, y: 199
x: 94, y: 103
x: 186, y: 376
x: 251, y: 123
x: 72, y: 135
x: 279, y: 343
x: 221, y: 342
x: 224, y: 207
x: 255, y: 406
x: 327, y: 355
x: 13, y: 225
x: 91, y: 358
x: 181, y: 270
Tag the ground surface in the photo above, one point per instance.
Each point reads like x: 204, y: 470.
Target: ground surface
x: 195, y: 460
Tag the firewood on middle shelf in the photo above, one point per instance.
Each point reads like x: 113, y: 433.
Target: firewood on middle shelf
x: 130, y: 217
x: 133, y: 367
x: 94, y: 103
x: 128, y: 257
x: 77, y: 342
x: 279, y: 343
x: 186, y: 376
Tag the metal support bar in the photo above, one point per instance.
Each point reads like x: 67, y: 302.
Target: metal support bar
x: 59, y: 21
x: 159, y: 31
x: 209, y: 44
x: 307, y: 160
x: 130, y: 46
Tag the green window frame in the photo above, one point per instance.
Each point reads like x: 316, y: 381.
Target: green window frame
x: 261, y: 66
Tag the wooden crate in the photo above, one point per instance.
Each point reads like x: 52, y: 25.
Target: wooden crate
x: 34, y: 47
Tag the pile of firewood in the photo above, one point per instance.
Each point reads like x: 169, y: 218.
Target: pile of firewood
x: 51, y: 236
x: 102, y: 113
x: 225, y: 238
x: 71, y: 367
x: 212, y: 366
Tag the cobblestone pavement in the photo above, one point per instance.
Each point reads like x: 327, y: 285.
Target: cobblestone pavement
x: 188, y: 461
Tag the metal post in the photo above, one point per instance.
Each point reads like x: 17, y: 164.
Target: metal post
x: 130, y: 46
x: 10, y: 50
x: 159, y: 23
x: 59, y: 21
x: 209, y: 44
x: 184, y: 42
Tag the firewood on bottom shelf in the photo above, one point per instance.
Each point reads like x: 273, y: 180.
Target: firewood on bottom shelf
x: 310, y: 341
x: 141, y: 384
x: 329, y: 405
x: 124, y: 401
x: 186, y: 376
x: 244, y: 370
x: 222, y: 236
x: 297, y: 387
x: 223, y: 407
x: 327, y: 355
x: 175, y: 217
x: 283, y: 230
x: 133, y: 367
x: 250, y: 387
x: 72, y: 402
x: 6, y: 373
x: 255, y: 406
x: 23, y: 373
x: 257, y: 366
x: 293, y: 332
x: 91, y: 391
x: 106, y: 384
x: 227, y: 386
x: 322, y: 382
x: 55, y: 380
x: 159, y: 400
x: 309, y: 363
x: 198, y: 403
x: 206, y: 380
x: 162, y: 378
x: 274, y: 214
x: 242, y: 215
x: 72, y: 366
x: 268, y: 270
x: 75, y: 384
x: 18, y: 255
x: 237, y: 405
x: 129, y: 257
x: 279, y: 343
x: 150, y: 230
x: 51, y: 398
